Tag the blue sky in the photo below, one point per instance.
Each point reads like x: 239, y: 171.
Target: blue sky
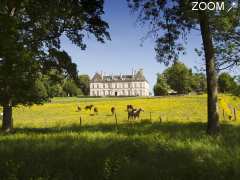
x: 124, y: 52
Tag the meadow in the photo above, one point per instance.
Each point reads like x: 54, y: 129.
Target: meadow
x: 167, y: 142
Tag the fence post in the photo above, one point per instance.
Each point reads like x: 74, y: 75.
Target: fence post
x: 80, y: 121
x: 116, y: 122
x: 235, y: 114
x: 223, y: 115
x: 160, y: 119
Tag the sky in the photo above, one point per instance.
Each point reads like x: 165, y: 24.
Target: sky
x: 124, y: 52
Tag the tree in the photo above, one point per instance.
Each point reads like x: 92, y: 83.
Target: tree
x: 171, y: 21
x: 199, y: 82
x: 84, y: 84
x: 236, y: 91
x: 30, y: 34
x: 71, y: 89
x: 53, y: 81
x: 40, y: 91
x: 226, y: 83
x: 161, y: 87
x: 179, y: 78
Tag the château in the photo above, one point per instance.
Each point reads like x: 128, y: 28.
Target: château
x: 134, y: 84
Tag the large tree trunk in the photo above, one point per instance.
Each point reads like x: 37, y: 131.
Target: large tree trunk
x: 7, y: 123
x: 213, y: 116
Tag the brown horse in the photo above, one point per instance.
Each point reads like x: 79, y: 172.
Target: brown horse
x: 113, y: 110
x: 134, y: 113
x: 129, y: 107
x: 89, y: 107
x: 95, y: 110
x: 79, y: 108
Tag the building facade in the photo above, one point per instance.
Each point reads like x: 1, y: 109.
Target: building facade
x: 119, y: 85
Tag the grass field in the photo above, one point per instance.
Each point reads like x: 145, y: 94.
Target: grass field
x: 50, y: 144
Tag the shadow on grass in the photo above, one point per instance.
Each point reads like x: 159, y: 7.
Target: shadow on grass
x: 144, y: 151
x: 191, y: 129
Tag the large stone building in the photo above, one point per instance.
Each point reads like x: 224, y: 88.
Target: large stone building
x: 119, y: 85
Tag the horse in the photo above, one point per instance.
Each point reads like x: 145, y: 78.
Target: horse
x: 79, y: 108
x: 134, y: 113
x: 95, y: 110
x: 113, y: 110
x: 89, y: 107
x: 129, y: 106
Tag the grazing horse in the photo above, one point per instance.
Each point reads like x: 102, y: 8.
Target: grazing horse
x: 129, y: 107
x: 130, y: 111
x: 95, y: 110
x: 134, y: 113
x: 113, y: 110
x: 79, y: 108
x: 89, y: 107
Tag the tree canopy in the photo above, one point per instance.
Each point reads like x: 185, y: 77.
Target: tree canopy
x: 170, y: 23
x: 161, y: 87
x: 84, y: 84
x: 226, y: 83
x: 30, y: 32
x: 181, y: 79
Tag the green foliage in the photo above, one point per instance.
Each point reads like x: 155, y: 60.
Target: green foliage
x: 84, y: 84
x: 53, y: 82
x: 178, y: 77
x: 39, y: 92
x: 226, y: 83
x: 30, y: 34
x: 18, y: 77
x: 170, y: 22
x: 199, y: 82
x: 71, y: 89
x: 236, y: 91
x: 161, y: 88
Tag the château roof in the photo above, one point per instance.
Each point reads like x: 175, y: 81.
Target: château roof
x: 135, y: 77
